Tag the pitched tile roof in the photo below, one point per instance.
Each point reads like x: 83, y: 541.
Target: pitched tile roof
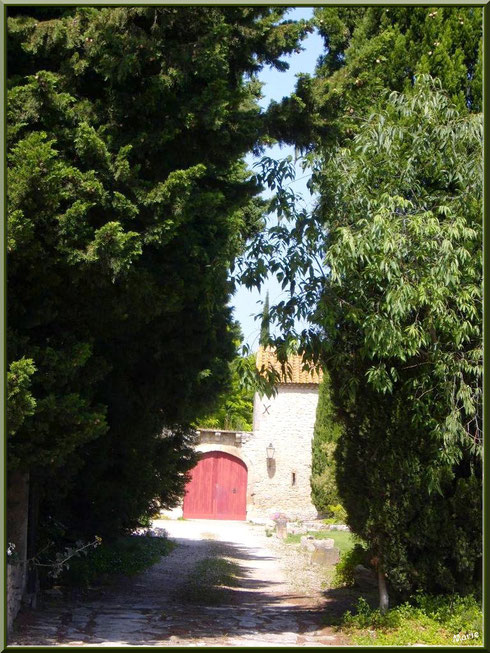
x: 266, y: 358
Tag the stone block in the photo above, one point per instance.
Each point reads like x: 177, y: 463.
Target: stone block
x: 325, y: 556
x: 308, y: 542
x: 315, y: 526
x: 281, y: 529
x: 365, y: 578
x: 327, y: 543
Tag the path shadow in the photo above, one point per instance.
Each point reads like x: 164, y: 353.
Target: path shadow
x: 238, y: 552
x: 130, y: 612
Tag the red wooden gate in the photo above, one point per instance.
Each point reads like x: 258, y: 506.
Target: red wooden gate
x: 217, y: 489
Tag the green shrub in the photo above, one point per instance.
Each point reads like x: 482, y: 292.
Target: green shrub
x: 349, y: 559
x: 459, y: 612
x: 339, y: 514
x: 432, y: 620
x: 127, y: 555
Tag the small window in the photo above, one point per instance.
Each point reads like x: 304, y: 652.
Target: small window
x: 293, y: 478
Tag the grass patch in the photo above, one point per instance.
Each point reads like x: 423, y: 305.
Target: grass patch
x: 208, y: 536
x: 344, y: 540
x: 428, y: 620
x: 127, y: 555
x: 208, y: 581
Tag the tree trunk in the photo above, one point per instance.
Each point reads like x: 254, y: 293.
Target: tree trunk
x: 17, y: 518
x: 30, y: 597
x: 383, y: 591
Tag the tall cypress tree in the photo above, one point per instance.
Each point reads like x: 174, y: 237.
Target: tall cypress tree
x: 128, y: 201
x: 326, y: 432
x: 264, y: 338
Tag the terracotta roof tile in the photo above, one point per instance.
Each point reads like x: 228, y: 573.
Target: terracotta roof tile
x: 267, y: 358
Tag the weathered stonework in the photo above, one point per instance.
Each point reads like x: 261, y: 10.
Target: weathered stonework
x: 283, y: 484
x: 285, y: 421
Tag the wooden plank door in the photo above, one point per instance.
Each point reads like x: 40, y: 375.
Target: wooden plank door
x: 198, y: 500
x: 230, y: 488
x: 217, y: 489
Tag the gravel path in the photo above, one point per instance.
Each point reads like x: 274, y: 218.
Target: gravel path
x: 278, y: 600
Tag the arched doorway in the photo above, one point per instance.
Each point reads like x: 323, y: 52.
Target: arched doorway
x: 217, y: 489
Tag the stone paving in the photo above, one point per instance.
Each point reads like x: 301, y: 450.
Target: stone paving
x: 148, y: 610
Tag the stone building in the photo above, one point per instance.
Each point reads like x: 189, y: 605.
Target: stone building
x: 248, y: 475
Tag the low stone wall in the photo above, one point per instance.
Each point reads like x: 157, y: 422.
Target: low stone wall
x: 301, y: 528
x: 322, y: 552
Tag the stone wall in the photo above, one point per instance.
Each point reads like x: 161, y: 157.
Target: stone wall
x: 286, y: 421
x: 282, y: 485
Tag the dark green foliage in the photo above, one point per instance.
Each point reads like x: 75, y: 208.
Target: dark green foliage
x: 398, y: 325
x: 234, y: 410
x: 402, y: 313
x: 20, y: 400
x: 373, y: 49
x: 124, y: 556
x: 325, y: 435
x: 265, y: 328
x: 128, y: 202
x: 386, y: 469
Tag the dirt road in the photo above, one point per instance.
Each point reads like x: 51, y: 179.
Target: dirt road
x: 156, y: 608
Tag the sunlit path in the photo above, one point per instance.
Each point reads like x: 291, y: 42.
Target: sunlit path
x: 153, y: 609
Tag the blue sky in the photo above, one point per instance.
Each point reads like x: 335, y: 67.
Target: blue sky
x: 277, y: 85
